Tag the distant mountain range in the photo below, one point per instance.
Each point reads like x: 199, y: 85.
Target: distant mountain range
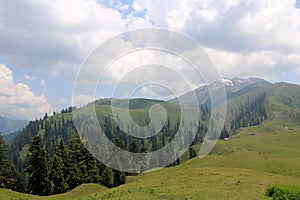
x: 8, y: 126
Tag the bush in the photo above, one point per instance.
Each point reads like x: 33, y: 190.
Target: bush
x: 283, y: 192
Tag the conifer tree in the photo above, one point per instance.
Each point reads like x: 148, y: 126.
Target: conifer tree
x: 119, y: 178
x: 76, y: 161
x: 107, y: 177
x: 92, y: 171
x: 38, y: 170
x: 9, y: 178
x: 192, y: 152
x: 59, y: 170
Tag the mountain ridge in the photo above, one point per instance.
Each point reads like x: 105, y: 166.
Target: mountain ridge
x: 279, y: 105
x: 231, y: 86
x: 8, y: 125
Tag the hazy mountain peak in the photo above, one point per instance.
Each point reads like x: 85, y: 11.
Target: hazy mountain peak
x: 231, y: 85
x: 11, y: 125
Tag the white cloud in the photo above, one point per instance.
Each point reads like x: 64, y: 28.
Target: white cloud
x: 82, y: 100
x: 258, y: 36
x: 257, y: 63
x: 17, y: 100
x: 46, y: 35
x: 243, y: 38
x: 28, y: 77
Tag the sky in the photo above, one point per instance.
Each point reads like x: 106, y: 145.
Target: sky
x: 44, y: 43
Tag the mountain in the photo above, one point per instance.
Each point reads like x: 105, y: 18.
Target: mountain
x: 263, y: 120
x: 11, y: 125
x: 231, y: 86
x: 10, y: 137
x: 240, y: 168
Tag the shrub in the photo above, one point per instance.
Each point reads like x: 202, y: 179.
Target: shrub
x: 283, y: 192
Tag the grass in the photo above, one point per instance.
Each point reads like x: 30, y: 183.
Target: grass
x: 81, y: 192
x: 240, y: 168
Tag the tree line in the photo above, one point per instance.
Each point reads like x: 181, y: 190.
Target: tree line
x: 251, y: 112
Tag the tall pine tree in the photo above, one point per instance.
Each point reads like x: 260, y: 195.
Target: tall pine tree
x: 38, y: 169
x: 9, y: 178
x: 59, y: 170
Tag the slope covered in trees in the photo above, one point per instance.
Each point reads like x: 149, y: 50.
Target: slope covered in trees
x: 53, y: 143
x: 251, y: 112
x: 70, y: 164
x: 9, y: 177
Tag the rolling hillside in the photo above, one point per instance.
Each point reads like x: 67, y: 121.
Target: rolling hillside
x: 238, y: 168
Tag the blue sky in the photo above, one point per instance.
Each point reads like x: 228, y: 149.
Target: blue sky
x: 43, y: 46
x: 297, y: 4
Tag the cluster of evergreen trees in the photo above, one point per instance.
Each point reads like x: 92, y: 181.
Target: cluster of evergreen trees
x: 251, y: 112
x: 53, y: 129
x: 54, y: 144
x: 70, y: 167
x: 159, y: 140
x: 9, y: 177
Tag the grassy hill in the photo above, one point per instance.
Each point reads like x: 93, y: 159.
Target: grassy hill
x: 240, y: 168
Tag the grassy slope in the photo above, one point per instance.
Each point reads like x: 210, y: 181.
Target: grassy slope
x: 240, y: 168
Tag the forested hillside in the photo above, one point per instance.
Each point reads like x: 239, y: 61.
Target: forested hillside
x: 69, y: 164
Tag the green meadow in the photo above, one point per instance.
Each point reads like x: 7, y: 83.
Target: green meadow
x: 239, y: 168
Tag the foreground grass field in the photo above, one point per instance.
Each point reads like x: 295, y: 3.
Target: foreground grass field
x: 240, y: 168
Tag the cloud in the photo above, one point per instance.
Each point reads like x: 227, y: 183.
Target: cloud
x: 171, y: 72
x: 257, y: 36
x: 82, y: 100
x: 257, y: 63
x: 28, y: 77
x: 17, y: 100
x: 47, y: 36
x: 243, y: 38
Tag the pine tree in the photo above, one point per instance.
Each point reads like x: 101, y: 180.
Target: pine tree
x: 92, y: 171
x: 38, y: 170
x: 134, y: 146
x: 76, y: 163
x: 192, y: 152
x: 9, y: 178
x: 107, y: 177
x: 119, y: 178
x: 83, y: 166
x: 59, y: 169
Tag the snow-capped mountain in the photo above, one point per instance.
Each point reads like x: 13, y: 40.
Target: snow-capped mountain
x: 234, y: 84
x: 231, y: 85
